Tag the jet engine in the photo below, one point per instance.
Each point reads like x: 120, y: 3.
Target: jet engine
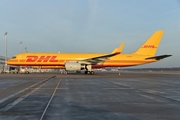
x: 73, y: 66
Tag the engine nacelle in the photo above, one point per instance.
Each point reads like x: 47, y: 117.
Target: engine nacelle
x: 73, y: 66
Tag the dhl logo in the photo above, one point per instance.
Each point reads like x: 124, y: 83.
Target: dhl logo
x: 148, y: 46
x: 41, y: 59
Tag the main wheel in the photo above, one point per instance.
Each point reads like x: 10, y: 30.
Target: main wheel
x: 92, y: 72
x: 88, y: 72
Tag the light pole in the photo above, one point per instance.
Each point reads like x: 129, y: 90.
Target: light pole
x: 20, y: 47
x: 25, y: 49
x: 5, y: 65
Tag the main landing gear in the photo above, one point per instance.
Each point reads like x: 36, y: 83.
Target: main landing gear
x: 88, y: 70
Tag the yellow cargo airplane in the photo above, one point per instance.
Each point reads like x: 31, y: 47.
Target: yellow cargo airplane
x: 88, y: 61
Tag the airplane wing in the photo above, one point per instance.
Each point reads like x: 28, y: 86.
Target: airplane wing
x: 100, y: 59
x: 158, y: 57
x: 96, y: 60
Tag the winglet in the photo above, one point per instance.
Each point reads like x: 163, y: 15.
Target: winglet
x: 118, y: 50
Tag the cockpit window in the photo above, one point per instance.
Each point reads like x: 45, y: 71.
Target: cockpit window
x: 14, y: 57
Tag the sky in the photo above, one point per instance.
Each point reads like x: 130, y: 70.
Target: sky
x: 92, y: 26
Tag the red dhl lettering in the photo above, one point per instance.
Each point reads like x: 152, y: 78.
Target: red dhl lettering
x: 31, y: 58
x: 148, y: 46
x: 41, y: 59
x: 53, y: 59
x: 44, y: 59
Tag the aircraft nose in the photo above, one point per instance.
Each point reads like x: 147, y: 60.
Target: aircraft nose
x: 11, y: 61
x: 8, y: 61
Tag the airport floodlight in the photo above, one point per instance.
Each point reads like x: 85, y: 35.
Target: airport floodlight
x: 5, y: 65
x: 25, y: 49
x: 20, y: 47
x: 5, y: 33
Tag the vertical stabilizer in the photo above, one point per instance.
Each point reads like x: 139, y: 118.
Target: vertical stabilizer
x: 151, y: 45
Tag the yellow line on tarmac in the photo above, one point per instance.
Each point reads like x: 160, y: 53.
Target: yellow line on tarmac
x: 50, y: 99
x: 117, y: 88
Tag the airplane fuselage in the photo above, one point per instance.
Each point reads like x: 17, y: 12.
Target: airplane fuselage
x: 59, y: 59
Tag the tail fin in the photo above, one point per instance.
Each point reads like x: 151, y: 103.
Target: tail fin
x: 118, y: 50
x: 151, y: 45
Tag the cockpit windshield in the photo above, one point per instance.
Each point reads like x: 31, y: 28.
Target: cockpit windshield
x: 14, y: 57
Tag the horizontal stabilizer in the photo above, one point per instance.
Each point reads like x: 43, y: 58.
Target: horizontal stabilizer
x: 158, y: 57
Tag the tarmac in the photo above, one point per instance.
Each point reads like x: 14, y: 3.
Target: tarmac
x: 103, y: 96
